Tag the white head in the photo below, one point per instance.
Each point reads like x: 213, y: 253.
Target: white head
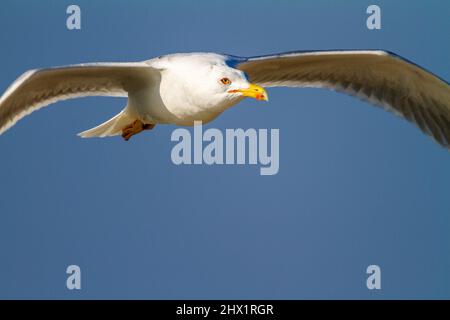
x: 208, y: 82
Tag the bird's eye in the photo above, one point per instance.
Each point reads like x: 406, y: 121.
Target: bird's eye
x: 225, y: 81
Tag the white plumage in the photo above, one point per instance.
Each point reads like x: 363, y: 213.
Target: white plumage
x: 182, y: 88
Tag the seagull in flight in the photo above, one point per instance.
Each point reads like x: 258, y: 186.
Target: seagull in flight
x: 183, y: 88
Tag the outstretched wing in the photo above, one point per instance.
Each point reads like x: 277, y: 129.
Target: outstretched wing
x: 38, y: 88
x: 379, y: 77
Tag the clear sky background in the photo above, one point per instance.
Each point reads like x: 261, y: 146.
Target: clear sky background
x: 357, y: 186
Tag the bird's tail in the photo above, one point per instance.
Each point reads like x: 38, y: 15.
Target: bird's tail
x: 112, y: 127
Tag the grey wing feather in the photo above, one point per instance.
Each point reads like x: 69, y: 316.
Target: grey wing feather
x: 379, y: 77
x: 38, y: 88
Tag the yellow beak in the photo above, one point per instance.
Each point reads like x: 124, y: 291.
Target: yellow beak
x: 253, y: 91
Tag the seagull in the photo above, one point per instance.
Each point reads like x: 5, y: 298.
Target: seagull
x: 184, y: 88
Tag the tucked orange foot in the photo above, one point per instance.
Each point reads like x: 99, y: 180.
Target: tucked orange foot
x: 134, y: 128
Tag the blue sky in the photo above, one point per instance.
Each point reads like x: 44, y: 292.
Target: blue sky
x: 357, y: 186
